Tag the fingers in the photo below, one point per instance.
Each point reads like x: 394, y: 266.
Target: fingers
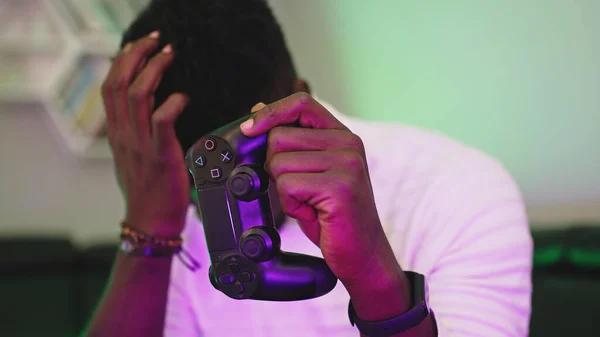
x: 122, y: 75
x: 283, y: 139
x: 346, y: 161
x: 141, y: 93
x: 299, y: 108
x: 302, y: 194
x: 295, y: 206
x: 107, y: 91
x: 164, y: 137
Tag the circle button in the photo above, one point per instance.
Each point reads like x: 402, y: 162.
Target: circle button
x: 210, y: 144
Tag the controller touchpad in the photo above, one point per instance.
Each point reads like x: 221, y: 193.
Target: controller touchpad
x: 216, y: 211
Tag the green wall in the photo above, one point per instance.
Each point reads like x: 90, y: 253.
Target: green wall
x: 517, y: 79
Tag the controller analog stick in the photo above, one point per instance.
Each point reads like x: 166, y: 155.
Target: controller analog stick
x: 260, y: 243
x: 242, y: 185
x: 254, y: 247
x: 248, y: 183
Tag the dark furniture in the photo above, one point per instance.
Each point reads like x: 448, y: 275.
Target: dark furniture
x: 49, y: 288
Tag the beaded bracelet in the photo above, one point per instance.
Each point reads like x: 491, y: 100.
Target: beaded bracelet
x: 140, y: 237
x: 137, y: 243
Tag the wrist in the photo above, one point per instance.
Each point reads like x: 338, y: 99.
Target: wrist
x: 382, y: 292
x: 136, y: 243
x: 159, y: 228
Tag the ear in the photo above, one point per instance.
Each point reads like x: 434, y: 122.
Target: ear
x: 301, y: 86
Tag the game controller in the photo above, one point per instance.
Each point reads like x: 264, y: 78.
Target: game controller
x: 243, y: 243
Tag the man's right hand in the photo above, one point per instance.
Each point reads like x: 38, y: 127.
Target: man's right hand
x: 149, y: 160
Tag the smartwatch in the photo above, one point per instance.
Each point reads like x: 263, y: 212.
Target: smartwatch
x: 416, y: 314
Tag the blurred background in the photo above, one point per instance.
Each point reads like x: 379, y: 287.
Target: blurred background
x: 518, y: 79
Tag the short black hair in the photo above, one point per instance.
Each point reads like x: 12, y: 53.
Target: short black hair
x: 229, y: 55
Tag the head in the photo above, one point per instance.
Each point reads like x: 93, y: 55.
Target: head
x: 229, y: 55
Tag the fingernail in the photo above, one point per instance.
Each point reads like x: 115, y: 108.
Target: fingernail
x: 247, y: 125
x: 127, y: 47
x: 154, y: 35
x: 168, y: 49
x: 258, y: 107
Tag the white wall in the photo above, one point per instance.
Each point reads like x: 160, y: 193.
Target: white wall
x: 518, y: 79
x: 45, y: 190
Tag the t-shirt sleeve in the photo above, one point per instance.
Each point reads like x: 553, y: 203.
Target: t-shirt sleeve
x: 471, y: 238
x: 180, y: 318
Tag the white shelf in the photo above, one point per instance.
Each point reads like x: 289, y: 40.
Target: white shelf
x: 98, y: 24
x: 43, y: 44
x: 26, y: 77
x: 31, y: 43
x: 25, y: 46
x: 29, y: 26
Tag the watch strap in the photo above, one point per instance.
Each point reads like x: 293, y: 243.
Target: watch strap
x: 416, y: 314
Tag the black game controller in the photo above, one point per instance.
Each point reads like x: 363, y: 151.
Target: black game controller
x: 244, y: 246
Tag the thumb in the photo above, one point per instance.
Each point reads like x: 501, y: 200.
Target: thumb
x: 257, y: 107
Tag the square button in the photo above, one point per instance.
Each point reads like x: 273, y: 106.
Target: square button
x: 215, y: 173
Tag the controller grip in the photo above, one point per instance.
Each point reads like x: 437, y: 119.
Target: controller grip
x: 294, y: 277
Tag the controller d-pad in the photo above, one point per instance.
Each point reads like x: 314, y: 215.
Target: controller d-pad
x: 235, y: 268
x: 237, y: 277
x: 239, y: 287
x: 226, y: 279
x: 246, y: 277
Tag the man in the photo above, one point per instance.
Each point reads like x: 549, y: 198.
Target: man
x: 375, y: 200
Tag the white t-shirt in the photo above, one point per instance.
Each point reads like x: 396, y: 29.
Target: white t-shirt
x: 449, y: 212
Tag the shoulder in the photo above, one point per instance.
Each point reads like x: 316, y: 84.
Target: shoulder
x: 437, y: 195
x: 400, y: 154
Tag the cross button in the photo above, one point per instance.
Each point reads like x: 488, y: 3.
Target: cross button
x: 226, y: 156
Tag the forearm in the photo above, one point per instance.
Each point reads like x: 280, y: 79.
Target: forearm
x: 135, y: 300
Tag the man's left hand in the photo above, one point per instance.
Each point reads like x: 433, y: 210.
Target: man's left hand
x: 321, y: 175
